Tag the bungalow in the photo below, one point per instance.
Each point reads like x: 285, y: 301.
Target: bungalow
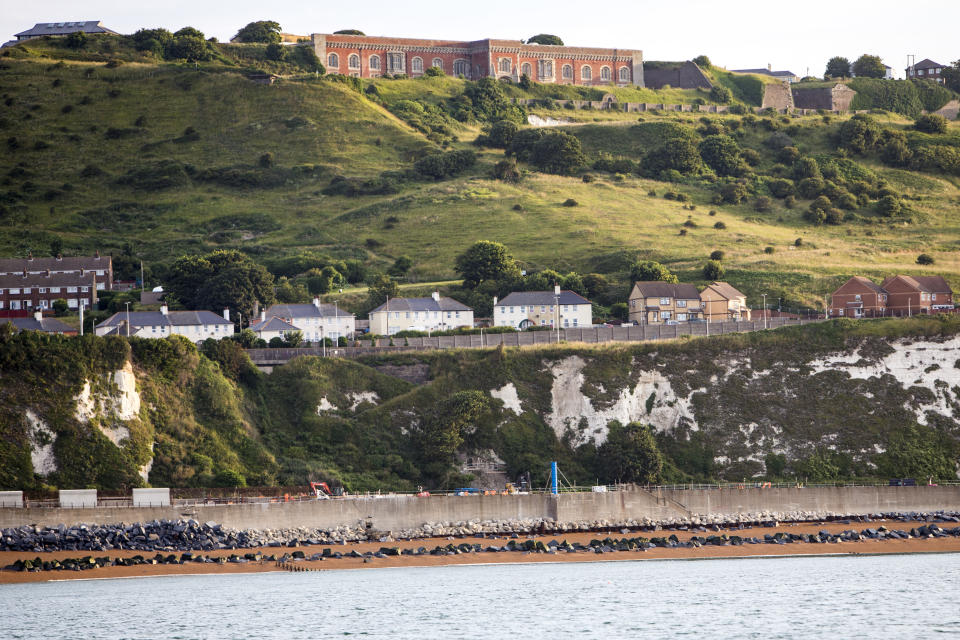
x: 722, y: 302
x: 195, y: 325
x: 523, y: 309
x: 907, y: 295
x: 315, y: 320
x: 39, y: 323
x: 858, y: 297
x: 272, y: 327
x: 436, y: 313
x: 42, y: 29
x: 653, y: 302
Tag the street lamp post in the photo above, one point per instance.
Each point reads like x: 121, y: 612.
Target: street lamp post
x: 764, y: 310
x: 128, y: 318
x: 557, y: 298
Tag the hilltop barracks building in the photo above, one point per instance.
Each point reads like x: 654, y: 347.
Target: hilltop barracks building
x: 372, y: 57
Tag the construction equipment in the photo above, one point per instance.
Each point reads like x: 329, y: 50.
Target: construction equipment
x: 321, y: 490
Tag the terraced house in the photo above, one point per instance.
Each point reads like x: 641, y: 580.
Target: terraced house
x: 508, y: 60
x: 664, y: 302
x: 315, y: 321
x: 436, y: 313
x: 897, y: 295
x: 197, y: 326
x: 525, y: 309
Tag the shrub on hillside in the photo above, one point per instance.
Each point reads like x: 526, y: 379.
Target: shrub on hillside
x: 889, y: 206
x: 723, y: 155
x: 809, y: 188
x: 679, y: 154
x: 931, y: 123
x: 558, y: 152
x: 713, y: 270
x: 763, y: 204
x: 732, y: 193
x: 444, y: 165
x: 781, y: 187
x: 508, y: 171
x: 717, y: 255
x: 719, y: 225
x: 924, y: 259
x: 860, y: 134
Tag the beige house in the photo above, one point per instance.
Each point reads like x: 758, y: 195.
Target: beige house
x: 653, y: 302
x: 316, y: 321
x: 722, y: 303
x: 436, y: 313
x: 273, y: 327
x: 524, y: 309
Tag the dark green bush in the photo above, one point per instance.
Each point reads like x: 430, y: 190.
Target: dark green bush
x: 931, y: 123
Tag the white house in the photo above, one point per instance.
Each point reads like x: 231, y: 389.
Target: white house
x: 436, y: 313
x: 195, y: 325
x: 272, y: 327
x: 316, y: 321
x: 523, y: 309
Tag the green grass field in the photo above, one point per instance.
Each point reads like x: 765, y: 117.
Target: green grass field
x: 101, y: 158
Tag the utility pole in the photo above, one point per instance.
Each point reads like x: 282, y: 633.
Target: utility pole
x: 557, y: 298
x: 128, y: 318
x: 764, y: 310
x: 82, y: 302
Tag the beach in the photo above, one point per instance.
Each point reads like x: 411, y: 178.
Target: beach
x: 949, y: 544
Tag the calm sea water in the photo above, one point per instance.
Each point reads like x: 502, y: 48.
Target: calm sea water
x: 905, y: 596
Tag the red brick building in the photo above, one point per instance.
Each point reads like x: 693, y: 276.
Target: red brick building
x: 21, y: 293
x: 102, y: 266
x: 926, y: 69
x: 372, y: 57
x: 859, y: 297
x: 895, y: 296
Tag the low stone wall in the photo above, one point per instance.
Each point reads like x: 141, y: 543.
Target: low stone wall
x: 405, y: 512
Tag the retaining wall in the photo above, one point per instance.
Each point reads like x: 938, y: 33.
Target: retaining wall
x: 399, y: 512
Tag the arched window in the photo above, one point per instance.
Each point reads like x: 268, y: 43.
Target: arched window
x: 461, y: 68
x: 438, y: 63
x: 586, y: 73
x: 624, y: 74
x: 374, y: 63
x: 416, y: 65
x: 605, y: 74
x: 567, y: 72
x: 505, y: 65
x: 545, y: 68
x: 353, y: 61
x: 333, y: 61
x: 526, y: 69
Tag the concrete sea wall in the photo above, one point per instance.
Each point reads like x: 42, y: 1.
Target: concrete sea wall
x: 400, y: 512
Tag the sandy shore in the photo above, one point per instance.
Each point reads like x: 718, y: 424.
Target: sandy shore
x: 916, y: 545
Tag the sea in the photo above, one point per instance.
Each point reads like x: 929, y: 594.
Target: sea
x: 883, y: 596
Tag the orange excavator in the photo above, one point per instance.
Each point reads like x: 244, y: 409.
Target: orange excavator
x: 321, y: 490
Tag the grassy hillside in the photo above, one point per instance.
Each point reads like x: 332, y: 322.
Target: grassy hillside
x: 159, y: 160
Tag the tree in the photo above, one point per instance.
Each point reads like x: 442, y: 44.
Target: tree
x: 443, y: 432
x: 501, y: 133
x: 382, y: 288
x: 951, y: 76
x: 867, y: 66
x: 648, y: 270
x: 188, y: 48
x: 400, y: 266
x: 220, y: 280
x: 860, y: 134
x: 702, y: 61
x: 76, y: 40
x: 918, y: 451
x: 722, y: 154
x: 189, y: 31
x: 291, y: 293
x: 349, y: 32
x: 545, y: 38
x: 630, y: 454
x: 60, y: 307
x: 713, y: 270
x: 558, y: 152
x: 931, y: 123
x: 596, y: 284
x: 679, y: 154
x: 924, y: 259
x: 717, y: 255
x: 837, y: 67
x: 486, y: 261
x: 267, y: 31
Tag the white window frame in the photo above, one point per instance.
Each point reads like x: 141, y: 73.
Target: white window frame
x: 373, y: 63
x: 605, y: 74
x: 333, y: 60
x: 353, y: 61
x: 664, y: 301
x: 416, y: 64
x: 623, y: 74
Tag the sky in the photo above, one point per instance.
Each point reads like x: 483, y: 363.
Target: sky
x: 797, y: 36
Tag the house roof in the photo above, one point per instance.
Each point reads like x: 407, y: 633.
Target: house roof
x: 62, y: 28
x: 18, y: 280
x: 158, y: 318
x: 724, y: 290
x: 541, y: 298
x: 927, y: 284
x: 273, y: 323
x: 47, y: 325
x: 422, y: 304
x: 68, y: 263
x: 866, y: 282
x: 306, y: 311
x: 656, y: 289
x: 927, y: 63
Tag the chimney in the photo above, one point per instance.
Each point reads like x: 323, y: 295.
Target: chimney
x: 59, y: 257
x: 494, y: 300
x: 556, y: 289
x: 263, y: 315
x: 436, y: 296
x: 316, y: 302
x: 769, y: 67
x: 30, y: 256
x: 38, y: 314
x: 98, y: 254
x: 226, y: 314
x: 164, y: 309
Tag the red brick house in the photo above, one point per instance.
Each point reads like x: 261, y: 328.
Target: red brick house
x: 21, y: 293
x: 926, y: 69
x: 859, y: 297
x: 908, y: 295
x: 372, y: 57
x: 102, y: 266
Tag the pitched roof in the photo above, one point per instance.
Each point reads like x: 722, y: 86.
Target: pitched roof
x: 18, y: 280
x: 68, y: 263
x: 62, y: 28
x: 158, y: 318
x: 306, y: 311
x: 927, y: 284
x: 273, y: 324
x: 866, y: 282
x: 724, y: 290
x: 657, y: 289
x: 541, y: 298
x: 47, y: 325
x: 927, y: 63
x: 422, y: 304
